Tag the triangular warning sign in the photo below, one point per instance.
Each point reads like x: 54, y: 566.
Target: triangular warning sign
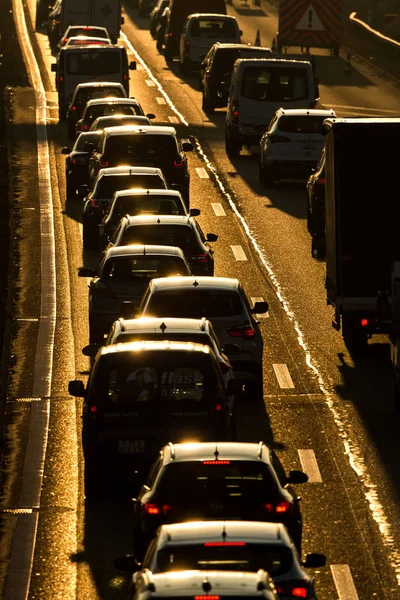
x: 310, y: 21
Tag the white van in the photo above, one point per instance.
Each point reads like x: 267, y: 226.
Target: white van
x: 200, y: 32
x: 259, y: 86
x: 79, y: 64
x: 93, y: 12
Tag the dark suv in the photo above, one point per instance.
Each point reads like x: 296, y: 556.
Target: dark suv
x: 142, y: 394
x: 148, y: 146
x: 216, y: 71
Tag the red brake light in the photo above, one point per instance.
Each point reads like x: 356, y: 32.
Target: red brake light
x: 125, y: 76
x: 364, y: 322
x: 103, y: 163
x: 178, y: 163
x: 295, y: 589
x: 85, y: 127
x: 206, y: 598
x: 225, y: 544
x: 201, y: 258
x: 243, y: 331
x: 170, y: 34
x: 154, y: 509
x: 278, y: 509
x: 95, y: 203
x: 218, y: 407
x: 93, y: 408
x: 216, y: 462
x: 73, y: 107
x: 321, y: 181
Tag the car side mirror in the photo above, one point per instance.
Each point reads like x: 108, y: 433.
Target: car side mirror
x: 194, y: 212
x: 150, y: 116
x: 259, y: 308
x: 65, y: 150
x: 83, y: 190
x: 85, y: 272
x: 90, y: 350
x: 132, y: 65
x: 127, y: 563
x: 211, y: 237
x: 76, y: 388
x: 187, y: 146
x: 297, y: 477
x: 314, y: 560
x: 54, y: 67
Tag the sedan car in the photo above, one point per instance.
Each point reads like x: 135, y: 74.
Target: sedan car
x: 224, y: 303
x: 107, y: 182
x: 84, y: 30
x: 99, y: 107
x: 315, y: 188
x: 232, y: 546
x: 77, y: 161
x: 197, y: 481
x: 139, y: 202
x: 153, y: 146
x: 292, y: 145
x: 122, y: 275
x: 181, y: 231
x: 118, y: 121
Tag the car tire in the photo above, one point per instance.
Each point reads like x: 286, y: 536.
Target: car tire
x: 184, y: 66
x: 70, y: 189
x: 91, y: 480
x: 206, y: 105
x: 168, y: 54
x: 89, y: 239
x: 318, y: 246
x: 71, y: 131
x: 41, y: 14
x: 310, y: 219
x: 355, y: 338
x: 255, y: 388
x: 232, y: 146
x: 267, y: 177
x: 96, y: 336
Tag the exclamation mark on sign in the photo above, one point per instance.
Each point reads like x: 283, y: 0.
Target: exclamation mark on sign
x: 310, y: 14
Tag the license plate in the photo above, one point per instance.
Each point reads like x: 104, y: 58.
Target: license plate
x: 308, y: 145
x: 131, y: 446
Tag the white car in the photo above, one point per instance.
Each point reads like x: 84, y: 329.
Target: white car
x: 292, y: 144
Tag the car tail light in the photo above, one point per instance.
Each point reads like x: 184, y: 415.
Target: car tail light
x: 57, y: 22
x: 84, y: 127
x: 206, y: 597
x: 321, y: 180
x: 93, y: 409
x: 178, y: 162
x: 200, y: 258
x: 156, y: 509
x: 294, y: 589
x: 278, y: 139
x: 103, y: 163
x: 187, y: 46
x: 125, y: 76
x: 277, y: 509
x: 364, y: 322
x: 65, y: 40
x: 75, y: 161
x: 218, y: 407
x: 224, y: 544
x: 242, y: 331
x: 73, y: 107
x: 216, y: 462
x: 94, y: 203
x: 170, y: 34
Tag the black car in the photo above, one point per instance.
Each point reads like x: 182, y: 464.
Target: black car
x: 169, y: 230
x: 108, y: 181
x: 100, y: 107
x: 43, y: 9
x: 150, y: 146
x: 315, y: 189
x: 142, y: 394
x: 216, y: 70
x: 156, y: 14
x: 77, y: 161
x: 231, y: 480
x: 54, y: 24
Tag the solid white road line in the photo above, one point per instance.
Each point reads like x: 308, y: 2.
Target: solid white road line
x: 150, y: 82
x: 174, y: 120
x: 344, y: 582
x: 161, y: 100
x: 218, y: 209
x: 310, y: 466
x: 238, y: 252
x: 283, y: 376
x: 255, y: 299
x: 202, y: 173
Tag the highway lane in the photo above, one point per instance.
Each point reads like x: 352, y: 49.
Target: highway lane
x: 299, y: 417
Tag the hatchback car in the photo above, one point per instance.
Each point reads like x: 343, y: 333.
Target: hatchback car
x: 216, y: 71
x: 107, y: 182
x: 153, y: 146
x: 232, y: 585
x: 77, y: 161
x: 292, y: 145
x: 200, y: 32
x: 169, y: 230
x: 141, y: 394
x: 139, y: 202
x: 230, y: 545
x: 224, y: 303
x: 118, y: 121
x: 86, y: 30
x: 217, y: 480
x: 122, y: 275
x: 88, y: 91
x: 315, y: 189
x: 99, y: 107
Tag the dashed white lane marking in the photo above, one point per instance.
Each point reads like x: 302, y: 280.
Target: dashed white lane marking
x: 174, y: 120
x: 344, y: 582
x: 150, y: 82
x: 310, y: 466
x: 202, y: 173
x: 218, y: 209
x: 283, y: 376
x: 161, y: 100
x: 255, y: 299
x: 238, y: 252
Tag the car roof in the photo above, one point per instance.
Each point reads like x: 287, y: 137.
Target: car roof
x: 277, y: 61
x: 108, y: 47
x: 244, y: 47
x: 87, y: 27
x: 155, y: 346
x: 88, y: 39
x: 205, y: 15
x: 99, y: 84
x: 143, y: 250
x: 139, y: 119
x: 200, y: 451
x: 312, y: 112
x: 128, y: 170
x: 131, y: 221
x: 139, y: 129
x: 112, y: 100
x: 164, y: 325
x: 192, y: 281
x: 198, y: 532
x: 148, y: 192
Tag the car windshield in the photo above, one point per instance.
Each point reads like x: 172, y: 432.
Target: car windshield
x: 108, y: 185
x: 301, y: 124
x: 86, y: 138
x: 165, y: 235
x: 274, y: 84
x: 237, y: 481
x: 136, y: 205
x: 170, y: 375
x: 93, y: 62
x: 274, y: 558
x: 146, y: 148
x: 146, y: 266
x: 110, y: 109
x: 195, y: 304
x: 213, y: 28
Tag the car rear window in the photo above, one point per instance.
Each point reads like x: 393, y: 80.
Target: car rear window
x: 99, y: 92
x: 143, y: 147
x: 225, y: 59
x: 88, y: 31
x: 196, y: 338
x: 136, y: 205
x: 103, y: 110
x: 86, y: 138
x: 92, y: 62
x: 164, y: 235
x: 147, y: 267
x: 274, y: 558
x: 108, y: 185
x: 274, y: 84
x: 213, y: 28
x: 301, y: 124
x: 195, y: 304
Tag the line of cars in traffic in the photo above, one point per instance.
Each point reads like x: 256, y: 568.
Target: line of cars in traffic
x: 209, y: 509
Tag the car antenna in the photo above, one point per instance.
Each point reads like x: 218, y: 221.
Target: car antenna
x: 206, y: 585
x: 195, y: 283
x: 216, y: 453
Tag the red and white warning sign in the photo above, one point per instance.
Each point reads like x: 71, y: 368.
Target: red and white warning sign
x: 310, y: 21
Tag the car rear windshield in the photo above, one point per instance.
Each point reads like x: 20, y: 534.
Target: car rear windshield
x: 88, y: 31
x: 93, y: 62
x: 98, y: 92
x: 192, y: 336
x: 103, y: 110
x: 136, y: 205
x: 195, y: 304
x: 142, y: 147
x: 159, y: 376
x: 86, y: 138
x: 164, y: 235
x: 147, y: 267
x: 213, y: 28
x: 225, y: 59
x: 235, y: 480
x: 274, y: 558
x: 301, y: 124
x: 108, y: 185
x: 274, y: 84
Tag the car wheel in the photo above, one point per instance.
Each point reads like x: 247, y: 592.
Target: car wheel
x: 310, y: 219
x: 318, y: 246
x: 206, y: 105
x: 267, y: 177
x: 96, y: 336
x: 41, y: 14
x: 71, y: 131
x: 91, y: 480
x: 168, y: 54
x: 71, y: 189
x: 232, y: 147
x: 184, y: 66
x: 90, y: 240
x: 355, y: 338
x: 255, y: 389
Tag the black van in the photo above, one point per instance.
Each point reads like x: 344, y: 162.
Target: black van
x: 141, y: 395
x: 178, y: 12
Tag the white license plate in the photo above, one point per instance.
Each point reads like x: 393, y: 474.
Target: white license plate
x: 130, y: 446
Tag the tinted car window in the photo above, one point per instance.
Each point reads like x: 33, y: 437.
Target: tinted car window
x: 107, y: 186
x: 196, y: 338
x: 85, y: 95
x: 147, y: 267
x: 93, y: 63
x: 274, y: 84
x: 224, y: 60
x: 109, y: 109
x: 194, y: 304
x: 129, y: 205
x: 85, y: 139
x: 141, y: 147
x: 301, y: 124
x: 250, y: 557
x: 213, y: 29
x: 164, y: 235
